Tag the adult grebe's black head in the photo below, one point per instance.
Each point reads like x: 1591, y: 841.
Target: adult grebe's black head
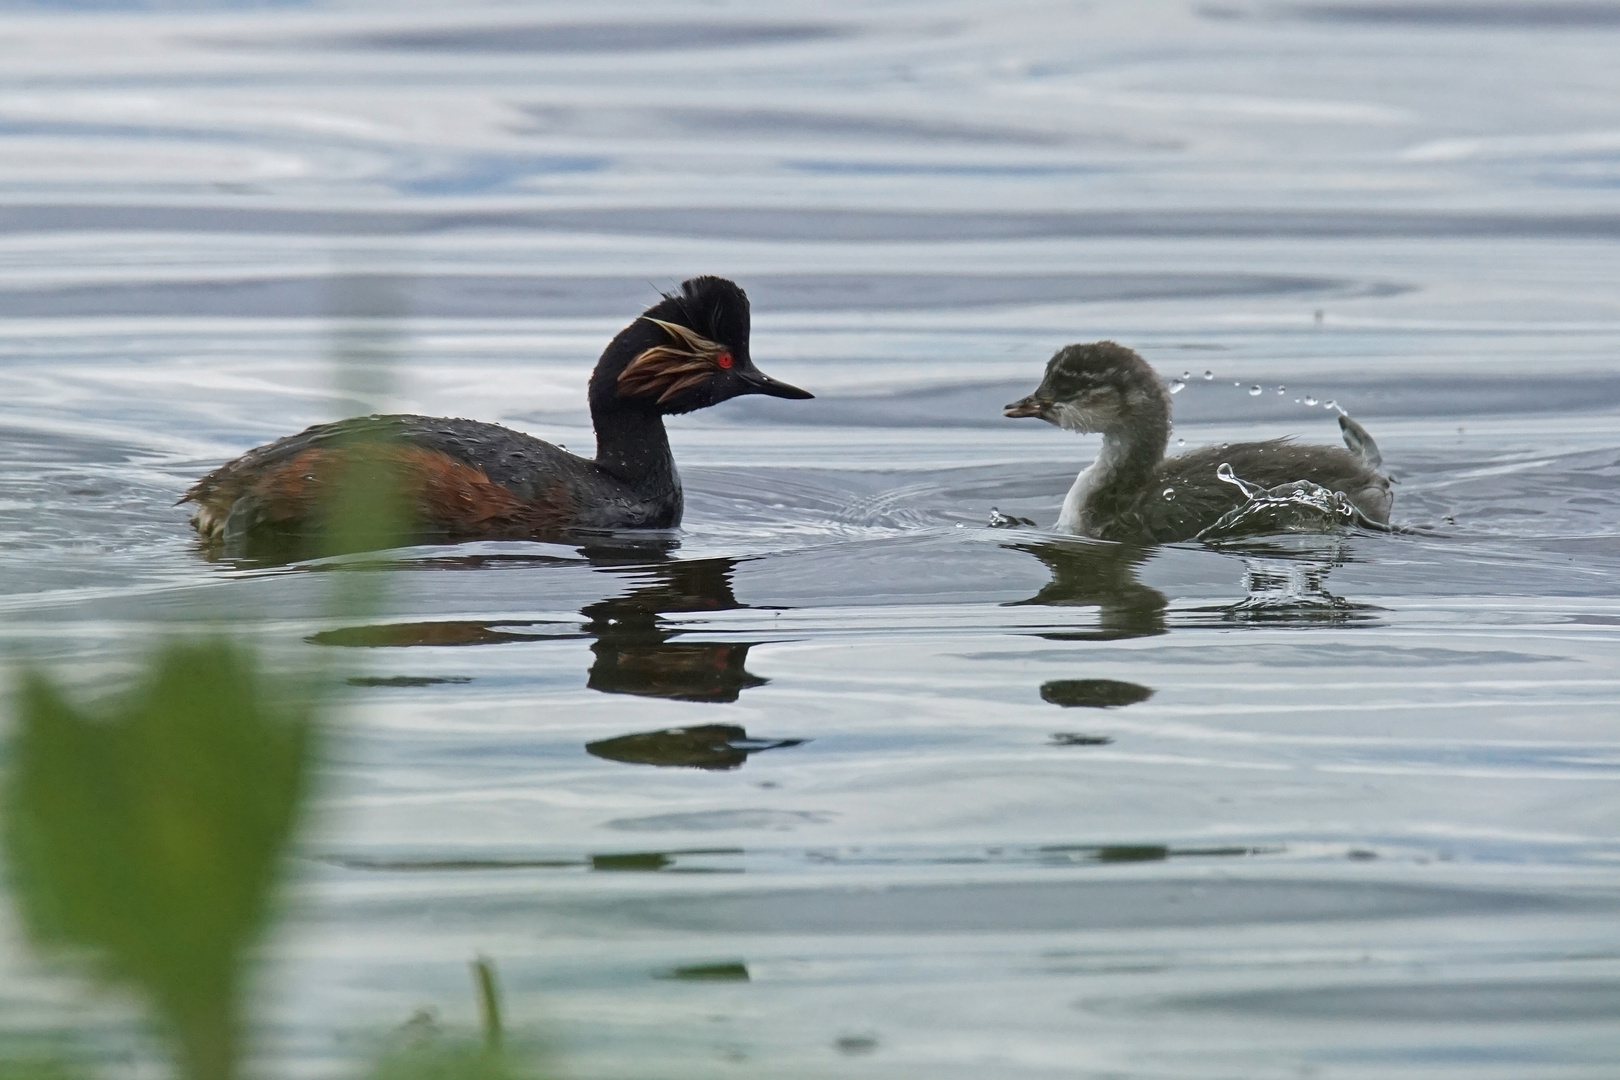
x: 1100, y: 387
x: 688, y: 351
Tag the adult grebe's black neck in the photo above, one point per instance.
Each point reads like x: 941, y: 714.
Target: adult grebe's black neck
x: 688, y: 351
x: 631, y: 443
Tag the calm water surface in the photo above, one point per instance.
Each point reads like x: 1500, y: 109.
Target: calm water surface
x: 837, y: 781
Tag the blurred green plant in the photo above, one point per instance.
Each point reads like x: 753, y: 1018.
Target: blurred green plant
x: 21, y: 1064
x: 147, y: 841
x: 489, y: 1001
x: 436, y: 1056
x: 424, y: 1052
x: 367, y: 510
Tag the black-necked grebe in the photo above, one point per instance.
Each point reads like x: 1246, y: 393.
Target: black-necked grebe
x: 463, y: 479
x: 1133, y: 493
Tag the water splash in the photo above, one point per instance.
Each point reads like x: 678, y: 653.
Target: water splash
x: 1283, y: 590
x: 1225, y: 474
x: 1297, y: 507
x: 998, y: 520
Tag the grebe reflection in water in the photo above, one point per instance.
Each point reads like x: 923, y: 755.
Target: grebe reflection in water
x: 634, y: 648
x: 1103, y: 576
x: 1284, y: 582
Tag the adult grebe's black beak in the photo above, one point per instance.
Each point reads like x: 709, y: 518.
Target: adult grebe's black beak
x: 1030, y: 406
x: 757, y: 382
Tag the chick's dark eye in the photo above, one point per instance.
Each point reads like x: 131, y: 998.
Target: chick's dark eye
x: 724, y: 360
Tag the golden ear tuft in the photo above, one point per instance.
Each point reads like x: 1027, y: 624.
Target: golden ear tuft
x: 695, y: 342
x: 667, y: 370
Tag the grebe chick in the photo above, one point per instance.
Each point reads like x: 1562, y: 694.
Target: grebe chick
x: 462, y: 479
x: 1133, y: 493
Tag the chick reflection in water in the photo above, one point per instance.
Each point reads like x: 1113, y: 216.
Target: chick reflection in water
x: 1099, y: 575
x: 716, y: 747
x: 635, y: 651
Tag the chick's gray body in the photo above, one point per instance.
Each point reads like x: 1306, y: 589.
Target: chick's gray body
x: 1133, y: 493
x: 1198, y: 497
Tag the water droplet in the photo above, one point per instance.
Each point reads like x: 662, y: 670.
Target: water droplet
x: 1330, y: 404
x: 1208, y: 375
x: 1181, y: 442
x: 1185, y: 375
x: 1311, y: 401
x: 1170, y: 493
x: 1177, y: 386
x: 1254, y: 391
x: 1296, y: 401
x: 1281, y: 390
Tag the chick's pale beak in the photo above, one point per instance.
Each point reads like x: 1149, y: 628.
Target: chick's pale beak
x: 760, y: 383
x: 1030, y: 406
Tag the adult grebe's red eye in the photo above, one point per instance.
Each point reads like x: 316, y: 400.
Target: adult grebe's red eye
x: 724, y: 360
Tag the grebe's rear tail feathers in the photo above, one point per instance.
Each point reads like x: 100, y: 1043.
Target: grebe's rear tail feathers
x: 1360, y: 443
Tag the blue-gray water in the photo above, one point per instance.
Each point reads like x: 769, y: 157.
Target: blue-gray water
x: 1364, y: 825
